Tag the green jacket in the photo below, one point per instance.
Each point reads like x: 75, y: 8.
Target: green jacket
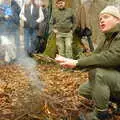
x: 107, y: 55
x: 63, y: 20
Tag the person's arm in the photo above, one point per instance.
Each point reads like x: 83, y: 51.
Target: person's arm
x: 45, y: 12
x: 66, y: 62
x: 73, y: 19
x: 22, y: 14
x: 41, y: 16
x: 52, y: 26
x: 106, y: 58
x: 16, y: 11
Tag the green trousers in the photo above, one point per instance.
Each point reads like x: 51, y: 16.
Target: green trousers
x: 103, y: 86
x: 64, y: 44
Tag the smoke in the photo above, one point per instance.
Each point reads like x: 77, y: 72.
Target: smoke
x: 7, y: 48
x: 29, y: 65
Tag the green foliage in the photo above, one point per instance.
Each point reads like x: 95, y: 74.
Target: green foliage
x: 77, y: 49
x: 51, y: 46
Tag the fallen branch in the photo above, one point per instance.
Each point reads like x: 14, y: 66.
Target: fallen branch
x: 21, y: 116
x: 44, y: 59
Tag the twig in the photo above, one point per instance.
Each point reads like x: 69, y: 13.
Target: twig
x: 21, y: 116
x: 34, y: 116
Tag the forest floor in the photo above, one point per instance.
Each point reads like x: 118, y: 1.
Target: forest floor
x: 43, y: 93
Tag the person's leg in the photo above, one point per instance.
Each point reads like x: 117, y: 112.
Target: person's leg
x: 33, y: 42
x: 115, y: 93
x: 27, y: 38
x: 68, y: 45
x: 17, y: 40
x: 85, y: 90
x: 40, y: 44
x: 60, y: 44
x: 105, y: 83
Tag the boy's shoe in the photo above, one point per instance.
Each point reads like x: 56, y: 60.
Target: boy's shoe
x: 95, y: 115
x: 81, y: 117
x: 115, y: 108
x: 89, y: 116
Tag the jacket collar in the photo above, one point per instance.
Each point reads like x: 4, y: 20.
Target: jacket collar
x: 113, y: 30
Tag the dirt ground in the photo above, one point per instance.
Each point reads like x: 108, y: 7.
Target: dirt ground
x: 54, y: 97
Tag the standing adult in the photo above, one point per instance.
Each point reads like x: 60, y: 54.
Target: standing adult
x: 43, y: 30
x: 16, y: 21
x: 32, y: 15
x: 9, y: 25
x: 63, y: 24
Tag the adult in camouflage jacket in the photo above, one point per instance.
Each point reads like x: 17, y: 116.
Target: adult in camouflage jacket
x: 104, y: 64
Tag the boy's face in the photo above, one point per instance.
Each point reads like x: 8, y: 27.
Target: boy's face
x: 107, y: 22
x: 60, y: 4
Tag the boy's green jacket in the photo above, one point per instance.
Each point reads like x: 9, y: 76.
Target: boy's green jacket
x: 107, y: 54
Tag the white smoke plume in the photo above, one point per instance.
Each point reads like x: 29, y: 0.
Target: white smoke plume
x: 30, y: 66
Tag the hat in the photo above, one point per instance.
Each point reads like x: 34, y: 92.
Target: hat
x: 112, y: 10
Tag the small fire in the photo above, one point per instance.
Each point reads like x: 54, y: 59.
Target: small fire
x: 46, y: 108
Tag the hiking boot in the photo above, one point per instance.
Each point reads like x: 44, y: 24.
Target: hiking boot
x: 95, y: 115
x: 92, y: 116
x: 81, y: 117
x: 117, y: 110
x: 89, y: 116
x: 114, y: 108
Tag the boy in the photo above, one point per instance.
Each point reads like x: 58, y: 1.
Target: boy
x: 104, y: 66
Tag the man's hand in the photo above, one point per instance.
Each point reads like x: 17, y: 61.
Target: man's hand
x: 6, y: 16
x: 37, y: 21
x: 23, y: 18
x: 66, y: 62
x: 55, y: 30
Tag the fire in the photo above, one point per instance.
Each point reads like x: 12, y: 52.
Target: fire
x: 46, y: 108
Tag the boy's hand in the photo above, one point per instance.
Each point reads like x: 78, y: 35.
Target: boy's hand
x: 60, y: 58
x: 70, y: 63
x: 66, y: 62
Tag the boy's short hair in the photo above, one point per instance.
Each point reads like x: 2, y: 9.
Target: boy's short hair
x: 57, y: 1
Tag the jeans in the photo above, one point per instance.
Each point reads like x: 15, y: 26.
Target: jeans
x: 29, y: 40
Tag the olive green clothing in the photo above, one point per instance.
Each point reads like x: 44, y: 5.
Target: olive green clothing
x: 107, y: 54
x: 64, y: 44
x: 63, y: 20
x: 104, y: 83
x: 98, y: 115
x: 104, y: 87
